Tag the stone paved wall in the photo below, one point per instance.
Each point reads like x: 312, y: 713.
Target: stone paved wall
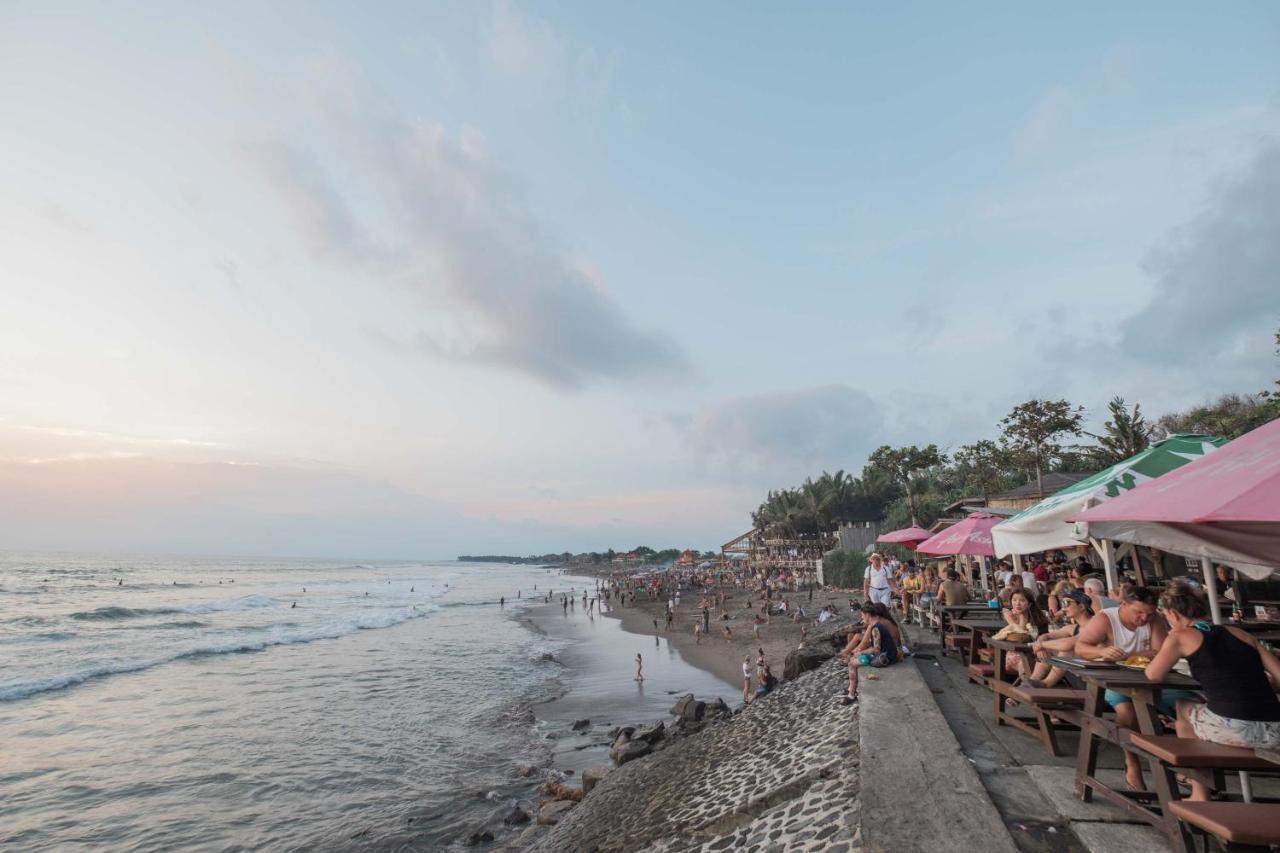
x: 783, y: 773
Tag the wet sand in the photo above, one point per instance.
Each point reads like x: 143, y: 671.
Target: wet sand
x: 599, y: 680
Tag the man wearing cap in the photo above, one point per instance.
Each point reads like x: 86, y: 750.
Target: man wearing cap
x: 877, y: 582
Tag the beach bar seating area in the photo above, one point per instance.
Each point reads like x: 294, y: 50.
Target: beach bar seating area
x: 1187, y: 536
x: 1191, y: 519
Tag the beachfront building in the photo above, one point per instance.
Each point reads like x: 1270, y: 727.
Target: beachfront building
x: 788, y: 561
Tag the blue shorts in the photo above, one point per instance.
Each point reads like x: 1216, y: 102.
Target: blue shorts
x: 1168, y: 704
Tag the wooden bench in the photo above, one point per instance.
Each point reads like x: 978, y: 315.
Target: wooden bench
x: 1235, y: 823
x: 1192, y: 753
x: 1208, y: 763
x: 1054, y: 709
x: 980, y: 673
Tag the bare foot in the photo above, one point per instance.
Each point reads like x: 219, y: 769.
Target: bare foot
x: 1135, y: 780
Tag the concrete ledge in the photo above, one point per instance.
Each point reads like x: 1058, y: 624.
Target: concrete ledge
x: 919, y: 792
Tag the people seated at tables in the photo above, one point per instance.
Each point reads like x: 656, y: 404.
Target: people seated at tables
x: 876, y: 641
x: 1115, y: 633
x: 1022, y: 616
x: 1042, y: 573
x: 952, y: 592
x: 1056, y: 602
x: 1241, y: 707
x: 1013, y: 582
x: 1096, y: 589
x: 1059, y: 641
x: 929, y: 585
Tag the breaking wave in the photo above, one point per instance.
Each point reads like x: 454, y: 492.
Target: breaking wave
x: 308, y: 634
x: 103, y: 614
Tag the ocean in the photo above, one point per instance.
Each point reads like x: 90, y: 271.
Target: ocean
x: 178, y: 703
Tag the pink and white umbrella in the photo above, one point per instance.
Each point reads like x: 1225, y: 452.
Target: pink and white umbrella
x: 1223, y: 507
x: 908, y: 536
x: 971, y: 536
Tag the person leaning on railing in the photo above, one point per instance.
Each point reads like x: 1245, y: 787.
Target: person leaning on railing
x: 1241, y: 707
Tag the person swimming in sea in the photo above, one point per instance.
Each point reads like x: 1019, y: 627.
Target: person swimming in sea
x: 295, y: 604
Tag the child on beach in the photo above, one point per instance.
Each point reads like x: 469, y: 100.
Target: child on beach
x: 746, y: 678
x: 639, y: 667
x: 728, y: 635
x: 697, y: 633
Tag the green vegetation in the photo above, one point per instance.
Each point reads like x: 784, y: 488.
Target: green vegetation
x: 902, y: 486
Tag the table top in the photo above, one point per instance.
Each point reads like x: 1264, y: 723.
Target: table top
x: 979, y: 624
x: 1119, y: 677
x: 1272, y: 755
x: 977, y: 605
x: 1008, y: 645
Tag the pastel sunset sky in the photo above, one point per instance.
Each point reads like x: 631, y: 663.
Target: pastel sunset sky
x: 419, y: 279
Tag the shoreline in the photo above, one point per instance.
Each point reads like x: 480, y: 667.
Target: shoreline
x: 714, y: 654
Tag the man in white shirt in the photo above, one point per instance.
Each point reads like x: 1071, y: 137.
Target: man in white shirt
x: 877, y: 582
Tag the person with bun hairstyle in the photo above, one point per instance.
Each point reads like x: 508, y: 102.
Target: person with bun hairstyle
x: 1237, y: 675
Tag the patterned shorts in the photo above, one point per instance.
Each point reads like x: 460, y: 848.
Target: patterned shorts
x: 1227, y: 731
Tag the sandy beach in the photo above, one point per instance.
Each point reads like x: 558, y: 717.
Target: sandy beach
x: 715, y: 653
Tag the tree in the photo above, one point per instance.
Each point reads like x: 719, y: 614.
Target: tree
x: 901, y: 465
x: 1034, y: 431
x: 983, y: 465
x: 1125, y: 435
x: 1230, y: 416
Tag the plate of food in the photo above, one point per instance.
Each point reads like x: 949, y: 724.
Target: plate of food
x: 1135, y: 662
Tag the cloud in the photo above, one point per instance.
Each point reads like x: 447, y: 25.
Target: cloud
x: 321, y: 213
x: 1047, y: 121
x: 524, y: 47
x: 790, y: 433
x: 1216, y: 301
x: 455, y: 228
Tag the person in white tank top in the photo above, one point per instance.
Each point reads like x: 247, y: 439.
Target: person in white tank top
x: 1132, y: 628
x: 1129, y: 641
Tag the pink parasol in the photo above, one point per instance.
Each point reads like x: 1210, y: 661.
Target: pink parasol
x: 1223, y: 507
x: 971, y: 536
x: 909, y: 536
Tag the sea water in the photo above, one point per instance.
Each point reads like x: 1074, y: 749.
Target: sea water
x: 168, y: 703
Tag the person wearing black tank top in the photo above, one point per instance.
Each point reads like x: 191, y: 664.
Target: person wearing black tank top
x: 1238, y: 676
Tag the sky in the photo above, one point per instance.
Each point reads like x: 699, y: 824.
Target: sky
x: 411, y: 280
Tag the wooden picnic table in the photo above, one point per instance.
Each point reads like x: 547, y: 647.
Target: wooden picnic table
x: 1147, y: 806
x: 1272, y: 755
x: 949, y: 612
x: 978, y: 628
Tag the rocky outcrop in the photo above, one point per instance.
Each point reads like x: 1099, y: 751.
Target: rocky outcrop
x: 821, y: 646
x: 551, y: 813
x: 592, y: 776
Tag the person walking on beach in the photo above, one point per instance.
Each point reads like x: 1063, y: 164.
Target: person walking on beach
x: 755, y: 626
x: 706, y: 617
x: 639, y: 667
x: 697, y: 633
x: 728, y: 635
x: 670, y: 619
x: 877, y: 583
x: 746, y: 678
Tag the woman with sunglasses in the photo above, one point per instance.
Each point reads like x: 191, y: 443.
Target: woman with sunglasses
x: 1060, y: 641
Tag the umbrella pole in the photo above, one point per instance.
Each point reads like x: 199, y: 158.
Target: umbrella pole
x: 1211, y: 589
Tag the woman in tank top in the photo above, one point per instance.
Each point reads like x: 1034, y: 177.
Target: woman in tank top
x: 1241, y: 706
